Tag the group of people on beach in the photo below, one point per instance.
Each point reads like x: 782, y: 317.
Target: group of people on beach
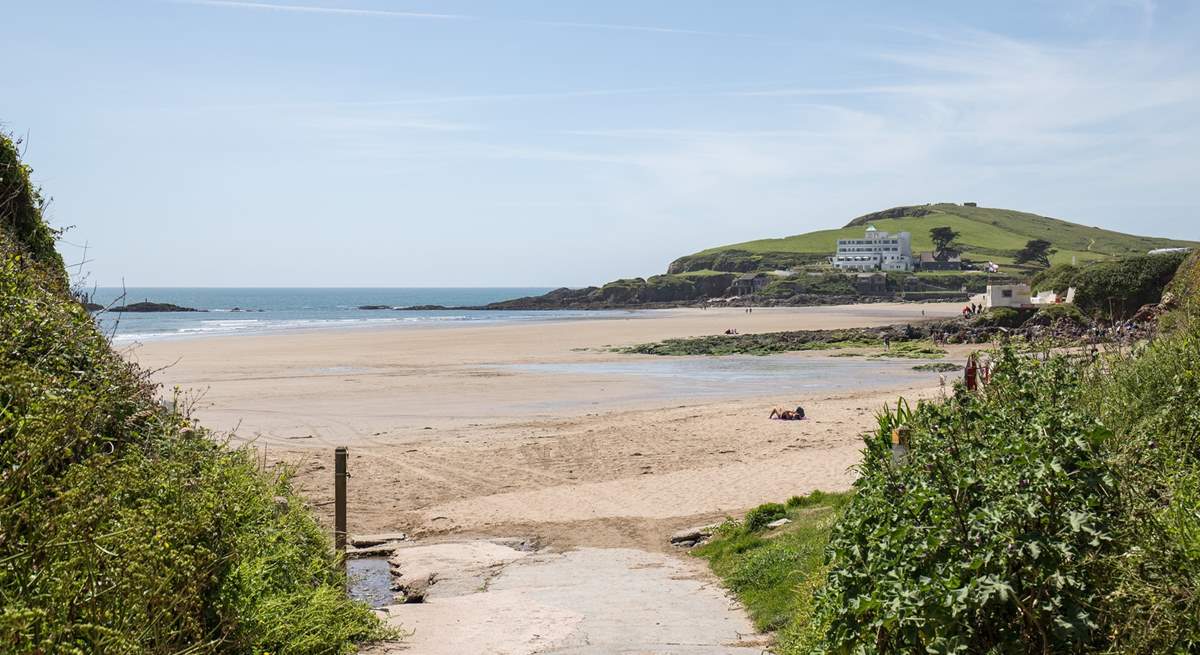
x: 972, y: 310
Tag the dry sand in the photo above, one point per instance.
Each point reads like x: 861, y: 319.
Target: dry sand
x: 455, y: 440
x: 445, y: 435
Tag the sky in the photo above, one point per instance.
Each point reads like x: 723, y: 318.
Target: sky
x: 420, y: 143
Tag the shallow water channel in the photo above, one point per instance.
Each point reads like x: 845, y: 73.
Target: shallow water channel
x: 370, y: 580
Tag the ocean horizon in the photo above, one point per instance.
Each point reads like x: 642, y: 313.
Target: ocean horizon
x: 262, y: 310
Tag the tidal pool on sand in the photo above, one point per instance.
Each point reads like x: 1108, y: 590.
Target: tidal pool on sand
x: 742, y: 375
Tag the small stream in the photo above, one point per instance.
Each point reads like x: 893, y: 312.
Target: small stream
x: 370, y: 580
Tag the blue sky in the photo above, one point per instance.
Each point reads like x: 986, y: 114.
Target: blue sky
x: 371, y: 142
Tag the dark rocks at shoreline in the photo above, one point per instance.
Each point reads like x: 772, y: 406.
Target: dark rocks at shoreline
x: 412, y: 308
x: 92, y: 307
x: 154, y: 307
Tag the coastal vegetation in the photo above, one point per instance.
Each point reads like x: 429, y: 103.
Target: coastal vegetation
x: 124, y: 526
x: 1113, y: 289
x: 799, y: 273
x: 762, y: 344
x: 1051, y: 511
x: 775, y: 572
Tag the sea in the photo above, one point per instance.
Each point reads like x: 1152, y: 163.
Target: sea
x: 239, y: 311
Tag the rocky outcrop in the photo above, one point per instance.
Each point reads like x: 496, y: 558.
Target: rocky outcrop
x: 912, y: 211
x: 743, y: 261
x: 154, y: 307
x: 659, y: 290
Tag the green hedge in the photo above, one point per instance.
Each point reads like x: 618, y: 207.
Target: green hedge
x: 1113, y: 288
x: 989, y: 537
x: 124, y: 528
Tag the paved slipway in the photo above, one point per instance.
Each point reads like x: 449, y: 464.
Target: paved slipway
x: 500, y: 597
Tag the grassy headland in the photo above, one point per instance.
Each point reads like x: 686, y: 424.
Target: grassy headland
x: 124, y: 527
x: 985, y: 234
x: 798, y: 272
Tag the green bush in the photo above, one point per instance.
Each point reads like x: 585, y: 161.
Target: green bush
x: 1005, y: 317
x: 1151, y: 402
x: 990, y: 536
x: 1113, y: 288
x: 125, y: 528
x: 758, y: 518
x: 1063, y: 313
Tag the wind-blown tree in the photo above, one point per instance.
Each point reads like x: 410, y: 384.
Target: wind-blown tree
x: 1037, y: 251
x: 942, y: 238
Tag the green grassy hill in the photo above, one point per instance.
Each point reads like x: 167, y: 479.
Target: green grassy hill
x: 986, y: 234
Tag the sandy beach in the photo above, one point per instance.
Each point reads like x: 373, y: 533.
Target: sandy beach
x: 466, y: 438
x: 450, y: 430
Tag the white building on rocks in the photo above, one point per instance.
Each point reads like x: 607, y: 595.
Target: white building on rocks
x: 876, y: 251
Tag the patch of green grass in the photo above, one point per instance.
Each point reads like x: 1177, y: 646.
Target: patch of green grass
x: 767, y: 343
x: 911, y: 350
x: 776, y: 574
x: 938, y: 367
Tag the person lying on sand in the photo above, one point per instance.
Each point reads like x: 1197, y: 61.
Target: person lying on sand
x: 787, y: 414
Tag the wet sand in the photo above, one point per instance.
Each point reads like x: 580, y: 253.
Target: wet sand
x: 457, y: 428
x: 539, y: 431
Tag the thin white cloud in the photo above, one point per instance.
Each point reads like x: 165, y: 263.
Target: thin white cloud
x: 316, y: 9
x: 387, y: 13
x: 636, y: 28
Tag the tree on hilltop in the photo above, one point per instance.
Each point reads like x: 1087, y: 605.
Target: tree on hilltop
x: 942, y: 238
x: 1037, y: 251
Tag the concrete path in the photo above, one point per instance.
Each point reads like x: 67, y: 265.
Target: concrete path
x: 493, y: 597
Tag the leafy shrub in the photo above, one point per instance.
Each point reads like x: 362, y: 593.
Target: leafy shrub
x: 1152, y: 404
x: 21, y: 210
x: 1113, y: 288
x: 1063, y: 313
x: 1005, y: 317
x: 123, y: 527
x: 758, y: 518
x: 988, y: 537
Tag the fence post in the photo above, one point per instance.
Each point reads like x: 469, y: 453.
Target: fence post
x: 339, y: 498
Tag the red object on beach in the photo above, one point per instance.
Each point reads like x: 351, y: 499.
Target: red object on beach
x: 970, y: 373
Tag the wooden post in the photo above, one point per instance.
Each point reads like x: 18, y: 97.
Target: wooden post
x: 339, y: 498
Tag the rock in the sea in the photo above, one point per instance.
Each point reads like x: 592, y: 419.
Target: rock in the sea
x: 374, y: 306
x: 153, y: 307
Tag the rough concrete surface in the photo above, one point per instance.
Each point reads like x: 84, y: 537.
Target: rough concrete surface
x: 589, y: 601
